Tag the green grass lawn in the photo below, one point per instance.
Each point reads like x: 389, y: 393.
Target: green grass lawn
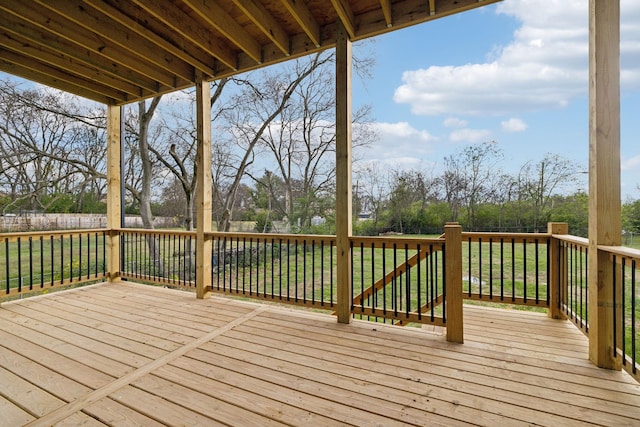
x: 43, y: 261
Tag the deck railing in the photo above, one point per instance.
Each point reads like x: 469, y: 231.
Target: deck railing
x: 394, y: 278
x: 397, y: 280
x: 165, y: 257
x: 291, y: 269
x: 573, y: 292
x: 510, y: 268
x: 39, y: 261
x: 400, y: 279
x: 626, y: 307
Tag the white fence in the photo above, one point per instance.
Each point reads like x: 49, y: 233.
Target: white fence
x: 30, y: 222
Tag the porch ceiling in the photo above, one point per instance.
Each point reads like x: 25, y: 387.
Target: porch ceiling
x: 121, y: 51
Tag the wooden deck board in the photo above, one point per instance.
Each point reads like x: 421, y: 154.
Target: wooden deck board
x: 475, y: 370
x: 405, y: 372
x: 129, y: 354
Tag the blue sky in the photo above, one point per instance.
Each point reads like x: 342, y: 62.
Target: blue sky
x: 515, y: 73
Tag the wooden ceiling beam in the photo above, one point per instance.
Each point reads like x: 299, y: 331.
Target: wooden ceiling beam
x: 386, y: 11
x: 42, y: 36
x: 303, y: 16
x: 345, y: 14
x: 126, y: 50
x: 122, y: 14
x: 183, y: 24
x: 122, y: 37
x: 432, y: 7
x: 262, y: 19
x: 412, y: 12
x: 22, y: 46
x: 214, y: 15
x: 33, y: 70
x: 61, y: 27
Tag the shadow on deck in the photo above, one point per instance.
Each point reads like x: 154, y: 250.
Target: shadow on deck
x: 129, y: 354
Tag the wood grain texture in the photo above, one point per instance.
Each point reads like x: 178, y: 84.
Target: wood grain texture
x: 128, y: 354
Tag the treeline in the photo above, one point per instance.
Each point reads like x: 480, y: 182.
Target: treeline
x: 273, y: 163
x: 473, y: 189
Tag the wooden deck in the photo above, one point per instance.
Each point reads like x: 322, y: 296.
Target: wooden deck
x: 129, y: 354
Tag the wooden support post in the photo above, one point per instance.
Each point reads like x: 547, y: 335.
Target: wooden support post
x: 343, y: 174
x: 114, y: 195
x: 604, y: 174
x: 557, y: 271
x: 203, y: 188
x: 453, y: 283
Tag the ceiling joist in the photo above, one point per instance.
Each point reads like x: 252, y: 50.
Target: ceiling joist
x: 122, y: 51
x: 262, y: 19
x: 386, y: 11
x: 303, y: 16
x: 214, y: 15
x: 346, y: 16
x: 124, y: 14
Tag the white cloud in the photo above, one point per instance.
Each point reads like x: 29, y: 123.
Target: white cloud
x: 513, y: 125
x: 404, y: 130
x: 470, y: 135
x: 544, y: 66
x: 399, y: 143
x: 631, y: 163
x: 454, y: 122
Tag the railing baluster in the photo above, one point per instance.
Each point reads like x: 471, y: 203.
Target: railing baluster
x: 304, y: 270
x: 19, y: 265
x: 384, y: 272
x: 30, y: 263
x: 331, y: 271
x: 71, y: 258
x: 469, y: 260
x: 537, y: 258
x: 52, y: 252
x: 419, y: 281
x: 374, y: 297
x: 407, y: 281
x: 549, y: 290
x: 433, y: 292
x: 581, y: 290
x: 394, y: 283
x: 280, y: 268
x: 41, y: 262
x: 7, y: 265
x: 623, y: 344
x: 264, y: 276
x: 524, y: 269
x: 490, y: 268
x: 501, y: 269
x: 273, y: 272
x: 361, y: 275
x: 634, y: 336
x: 321, y: 272
x: 480, y: 267
x: 513, y: 270
x: 586, y: 300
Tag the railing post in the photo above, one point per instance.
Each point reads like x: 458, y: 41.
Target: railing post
x: 453, y: 281
x: 114, y: 195
x: 557, y: 272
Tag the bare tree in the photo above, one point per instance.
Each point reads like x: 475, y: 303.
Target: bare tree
x: 471, y: 177
x: 372, y: 190
x: 48, y: 147
x: 302, y: 139
x: 257, y: 108
x: 539, y: 182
